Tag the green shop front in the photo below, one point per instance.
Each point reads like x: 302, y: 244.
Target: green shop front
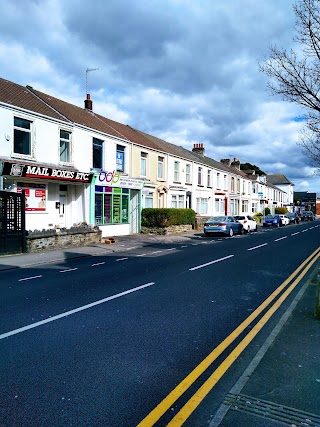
x: 115, y: 203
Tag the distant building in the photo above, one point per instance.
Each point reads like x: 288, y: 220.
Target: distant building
x: 282, y: 182
x: 307, y: 201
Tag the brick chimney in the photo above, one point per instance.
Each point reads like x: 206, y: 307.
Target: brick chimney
x: 236, y: 163
x: 198, y: 149
x: 88, y: 103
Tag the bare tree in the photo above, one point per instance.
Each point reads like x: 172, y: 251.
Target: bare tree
x: 295, y: 75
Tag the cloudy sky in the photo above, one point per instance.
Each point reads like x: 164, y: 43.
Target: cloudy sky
x: 183, y: 70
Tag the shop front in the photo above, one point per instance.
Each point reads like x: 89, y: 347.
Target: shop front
x: 115, y: 205
x: 54, y: 197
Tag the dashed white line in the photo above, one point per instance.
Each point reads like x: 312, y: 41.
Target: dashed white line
x: 195, y: 244
x: 76, y: 310
x: 211, y: 262
x: 171, y: 249
x: 156, y: 252
x: 256, y: 247
x: 294, y: 234
x: 98, y: 263
x: 303, y: 231
x: 69, y: 269
x: 184, y: 246
x: 281, y: 238
x: 142, y: 255
x: 121, y: 259
x: 29, y: 278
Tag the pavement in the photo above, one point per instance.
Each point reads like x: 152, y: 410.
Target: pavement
x: 281, y: 386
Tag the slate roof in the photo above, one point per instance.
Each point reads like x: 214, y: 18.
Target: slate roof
x: 21, y: 97
x: 278, y: 179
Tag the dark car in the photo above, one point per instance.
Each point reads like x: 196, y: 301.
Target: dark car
x: 307, y: 216
x: 293, y: 217
x: 223, y: 225
x: 272, y: 220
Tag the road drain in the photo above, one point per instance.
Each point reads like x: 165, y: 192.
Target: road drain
x: 272, y: 411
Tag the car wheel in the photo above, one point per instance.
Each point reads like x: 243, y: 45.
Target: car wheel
x: 242, y: 231
x: 278, y: 224
x: 231, y: 232
x: 206, y: 233
x: 248, y: 229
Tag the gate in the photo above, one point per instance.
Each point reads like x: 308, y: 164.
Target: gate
x: 12, y: 223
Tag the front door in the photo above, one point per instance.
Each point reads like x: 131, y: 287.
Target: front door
x: 62, y: 209
x: 134, y: 211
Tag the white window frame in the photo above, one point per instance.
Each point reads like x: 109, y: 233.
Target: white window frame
x: 68, y: 142
x: 27, y: 131
x: 209, y: 178
x: 143, y: 164
x: 188, y: 173
x: 176, y: 171
x: 200, y: 177
x: 160, y: 170
x: 219, y: 205
x: 174, y: 201
x: 202, y: 206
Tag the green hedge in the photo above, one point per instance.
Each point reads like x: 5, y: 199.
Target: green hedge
x: 281, y: 210
x: 164, y: 217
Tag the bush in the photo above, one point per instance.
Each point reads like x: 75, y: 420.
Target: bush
x: 164, y: 217
x: 267, y: 211
x: 281, y: 210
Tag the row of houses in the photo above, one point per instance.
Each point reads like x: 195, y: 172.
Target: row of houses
x: 77, y: 166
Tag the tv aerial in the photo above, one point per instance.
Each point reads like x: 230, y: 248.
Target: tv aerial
x: 88, y: 70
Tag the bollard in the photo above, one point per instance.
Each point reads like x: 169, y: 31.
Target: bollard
x: 317, y: 308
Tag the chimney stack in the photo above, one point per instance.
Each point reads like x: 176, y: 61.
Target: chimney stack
x: 198, y: 149
x: 88, y: 103
x: 236, y: 163
x: 225, y: 161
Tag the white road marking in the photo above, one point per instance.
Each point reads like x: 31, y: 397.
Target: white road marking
x: 171, y: 249
x: 185, y: 246
x: 211, y: 262
x: 256, y: 247
x: 129, y: 249
x: 98, y: 263
x: 303, y: 231
x: 29, y: 278
x: 66, y: 271
x: 142, y: 255
x: 281, y: 238
x: 294, y: 234
x: 156, y: 252
x: 121, y: 259
x: 76, y: 310
x: 195, y: 244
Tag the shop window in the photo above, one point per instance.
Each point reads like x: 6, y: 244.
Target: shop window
x: 22, y: 136
x: 97, y: 153
x: 111, y: 205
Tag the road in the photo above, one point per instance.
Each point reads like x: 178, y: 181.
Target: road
x: 101, y: 341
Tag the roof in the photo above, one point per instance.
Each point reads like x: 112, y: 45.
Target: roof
x: 19, y: 96
x: 278, y: 179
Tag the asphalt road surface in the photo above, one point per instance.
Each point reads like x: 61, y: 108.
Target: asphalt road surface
x: 104, y: 340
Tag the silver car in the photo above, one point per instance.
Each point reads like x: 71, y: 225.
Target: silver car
x: 223, y: 225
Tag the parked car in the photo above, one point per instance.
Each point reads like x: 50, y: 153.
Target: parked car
x: 293, y: 217
x: 272, y: 220
x: 284, y: 219
x: 223, y: 225
x: 307, y: 216
x: 249, y: 224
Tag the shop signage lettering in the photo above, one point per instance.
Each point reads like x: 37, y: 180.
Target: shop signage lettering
x: 108, y: 177
x: 28, y: 171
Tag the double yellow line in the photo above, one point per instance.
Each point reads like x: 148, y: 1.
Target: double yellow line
x: 202, y: 392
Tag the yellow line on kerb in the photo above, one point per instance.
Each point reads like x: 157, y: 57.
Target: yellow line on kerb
x: 177, y: 392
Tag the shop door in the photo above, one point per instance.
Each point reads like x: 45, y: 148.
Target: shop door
x: 134, y: 211
x: 62, y: 209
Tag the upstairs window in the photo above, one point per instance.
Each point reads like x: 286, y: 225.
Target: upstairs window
x: 120, y: 158
x: 188, y: 173
x: 199, y: 176
x: 22, y: 136
x: 97, y: 147
x: 160, y: 167
x: 143, y: 164
x: 65, y: 147
x: 209, y: 180
x: 176, y: 176
x: 218, y: 181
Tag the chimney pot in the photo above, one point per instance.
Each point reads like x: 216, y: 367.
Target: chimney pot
x: 199, y: 149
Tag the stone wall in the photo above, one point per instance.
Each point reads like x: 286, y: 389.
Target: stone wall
x: 173, y: 229
x: 62, y: 240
